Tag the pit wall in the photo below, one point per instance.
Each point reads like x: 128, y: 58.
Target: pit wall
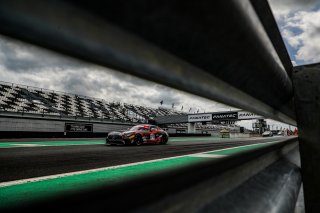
x: 11, y: 127
x: 216, y: 134
x: 28, y: 127
x: 232, y: 135
x: 239, y: 135
x: 31, y: 127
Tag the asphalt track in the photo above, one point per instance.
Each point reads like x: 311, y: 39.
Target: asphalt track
x: 38, y: 159
x: 32, y: 170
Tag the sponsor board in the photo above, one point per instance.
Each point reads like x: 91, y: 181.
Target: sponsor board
x: 199, y: 117
x: 225, y: 116
x: 78, y: 127
x: 242, y: 115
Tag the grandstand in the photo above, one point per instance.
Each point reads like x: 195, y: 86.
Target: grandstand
x: 32, y: 100
x: 22, y: 100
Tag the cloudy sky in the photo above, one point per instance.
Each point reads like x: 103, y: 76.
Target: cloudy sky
x: 22, y: 63
x: 299, y: 24
x: 26, y: 64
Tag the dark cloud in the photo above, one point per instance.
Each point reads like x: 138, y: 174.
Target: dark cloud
x: 19, y: 57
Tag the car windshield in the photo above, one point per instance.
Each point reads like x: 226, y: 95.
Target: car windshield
x: 135, y: 128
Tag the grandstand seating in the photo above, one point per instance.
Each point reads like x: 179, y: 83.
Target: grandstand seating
x: 25, y: 99
x: 30, y: 100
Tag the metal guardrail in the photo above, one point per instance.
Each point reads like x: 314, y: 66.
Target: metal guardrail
x: 229, y: 61
x: 306, y: 79
x: 227, y: 51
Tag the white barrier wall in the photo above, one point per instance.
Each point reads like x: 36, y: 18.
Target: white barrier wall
x: 37, y: 125
x: 109, y: 127
x: 42, y: 125
x: 239, y: 135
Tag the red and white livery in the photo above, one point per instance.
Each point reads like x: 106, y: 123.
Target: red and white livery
x: 138, y: 135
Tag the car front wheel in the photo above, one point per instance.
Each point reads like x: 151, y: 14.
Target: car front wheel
x: 138, y: 140
x: 164, y: 139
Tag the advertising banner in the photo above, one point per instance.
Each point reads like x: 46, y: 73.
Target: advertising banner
x: 199, y: 117
x: 243, y: 115
x: 225, y: 116
x: 78, y: 127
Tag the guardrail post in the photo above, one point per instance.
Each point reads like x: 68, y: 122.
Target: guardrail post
x: 307, y: 100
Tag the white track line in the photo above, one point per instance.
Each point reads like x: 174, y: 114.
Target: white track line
x: 45, y: 145
x: 30, y: 180
x: 208, y: 156
x: 27, y: 145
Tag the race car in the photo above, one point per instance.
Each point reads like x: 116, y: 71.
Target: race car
x: 138, y: 135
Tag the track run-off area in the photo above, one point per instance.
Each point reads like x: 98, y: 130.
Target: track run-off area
x: 39, y: 168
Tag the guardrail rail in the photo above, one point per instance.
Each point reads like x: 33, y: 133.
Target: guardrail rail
x: 227, y: 51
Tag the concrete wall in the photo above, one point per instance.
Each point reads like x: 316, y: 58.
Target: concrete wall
x: 239, y: 135
x: 21, y: 124
x: 109, y: 127
x: 42, y: 125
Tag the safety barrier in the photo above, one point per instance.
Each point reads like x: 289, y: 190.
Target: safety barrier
x: 227, y: 51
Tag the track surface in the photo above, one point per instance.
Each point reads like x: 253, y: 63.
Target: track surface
x: 29, y: 162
